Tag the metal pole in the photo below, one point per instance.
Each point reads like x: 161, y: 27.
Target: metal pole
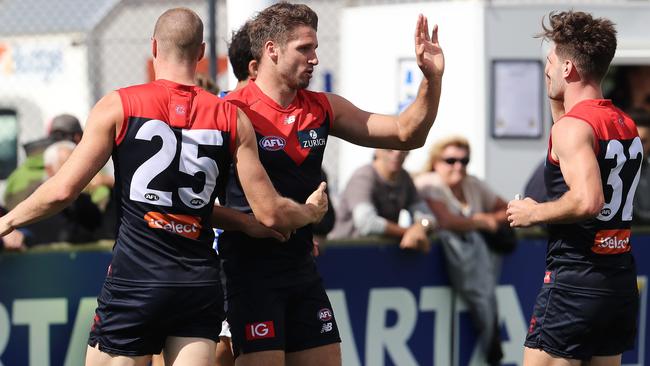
x: 212, y: 38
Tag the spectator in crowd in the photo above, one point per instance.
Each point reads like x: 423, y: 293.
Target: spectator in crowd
x: 463, y: 206
x: 372, y: 201
x: 74, y: 224
x: 535, y: 187
x: 641, y: 204
x: 30, y: 174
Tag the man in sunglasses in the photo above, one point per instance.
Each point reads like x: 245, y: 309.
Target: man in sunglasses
x: 372, y: 201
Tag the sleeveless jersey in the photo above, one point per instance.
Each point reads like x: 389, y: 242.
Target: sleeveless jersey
x: 171, y: 161
x: 291, y: 142
x: 594, y: 255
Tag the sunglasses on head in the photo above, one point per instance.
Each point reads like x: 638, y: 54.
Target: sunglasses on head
x: 452, y: 161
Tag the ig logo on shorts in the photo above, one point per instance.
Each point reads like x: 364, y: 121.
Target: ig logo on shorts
x: 325, y: 314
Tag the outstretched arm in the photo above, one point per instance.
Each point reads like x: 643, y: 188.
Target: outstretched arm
x: 229, y: 219
x: 85, y: 161
x: 269, y: 207
x: 573, y: 142
x: 409, y: 129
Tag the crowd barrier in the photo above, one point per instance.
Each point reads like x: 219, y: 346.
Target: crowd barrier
x: 393, y: 307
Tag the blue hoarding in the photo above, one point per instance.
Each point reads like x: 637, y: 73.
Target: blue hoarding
x: 393, y: 307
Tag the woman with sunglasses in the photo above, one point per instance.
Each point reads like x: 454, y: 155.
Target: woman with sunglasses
x: 463, y: 205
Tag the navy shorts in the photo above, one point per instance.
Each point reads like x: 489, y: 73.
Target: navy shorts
x: 577, y: 325
x: 136, y: 320
x: 290, y: 319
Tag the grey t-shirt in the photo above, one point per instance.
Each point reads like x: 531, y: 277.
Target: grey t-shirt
x: 368, y: 201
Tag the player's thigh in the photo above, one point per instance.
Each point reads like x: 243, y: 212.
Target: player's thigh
x: 224, y: 352
x: 95, y: 357
x: 605, y: 361
x: 266, y: 358
x: 189, y: 351
x: 328, y: 355
x: 158, y: 360
x: 537, y: 357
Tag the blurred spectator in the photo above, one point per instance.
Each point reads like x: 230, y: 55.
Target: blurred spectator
x: 463, y: 205
x: 372, y: 201
x: 206, y: 82
x: 31, y: 173
x: 76, y: 223
x: 641, y: 204
x: 535, y: 186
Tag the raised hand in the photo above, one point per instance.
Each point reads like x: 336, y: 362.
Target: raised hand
x: 428, y: 53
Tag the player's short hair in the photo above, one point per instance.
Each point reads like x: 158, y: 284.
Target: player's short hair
x: 179, y: 32
x: 435, y: 154
x: 590, y: 43
x: 277, y: 22
x: 239, y: 52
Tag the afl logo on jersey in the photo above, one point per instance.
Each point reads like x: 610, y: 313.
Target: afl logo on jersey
x: 606, y: 212
x: 197, y: 202
x: 272, y: 143
x: 151, y: 197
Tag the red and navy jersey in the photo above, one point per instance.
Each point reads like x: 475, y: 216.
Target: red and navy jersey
x: 595, y: 255
x: 291, y: 142
x: 171, y: 161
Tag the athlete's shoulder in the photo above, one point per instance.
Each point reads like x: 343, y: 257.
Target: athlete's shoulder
x: 313, y: 100
x: 139, y: 88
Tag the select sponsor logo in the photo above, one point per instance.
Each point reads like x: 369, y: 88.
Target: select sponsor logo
x: 547, y: 277
x: 325, y: 314
x: 273, y: 143
x: 260, y: 330
x: 183, y: 225
x: 612, y: 241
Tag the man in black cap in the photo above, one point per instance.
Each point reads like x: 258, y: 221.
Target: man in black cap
x: 65, y: 127
x: 31, y: 173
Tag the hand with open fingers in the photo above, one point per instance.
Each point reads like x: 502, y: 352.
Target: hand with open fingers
x: 255, y: 229
x: 428, y: 53
x: 319, y: 199
x: 520, y: 212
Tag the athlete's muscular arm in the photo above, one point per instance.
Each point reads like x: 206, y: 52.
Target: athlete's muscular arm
x: 269, y: 208
x: 410, y: 128
x: 85, y: 161
x: 228, y: 219
x: 573, y: 142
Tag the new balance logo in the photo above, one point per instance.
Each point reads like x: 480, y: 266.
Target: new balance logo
x: 327, y: 327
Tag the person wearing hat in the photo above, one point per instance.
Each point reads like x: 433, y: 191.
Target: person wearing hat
x: 31, y: 173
